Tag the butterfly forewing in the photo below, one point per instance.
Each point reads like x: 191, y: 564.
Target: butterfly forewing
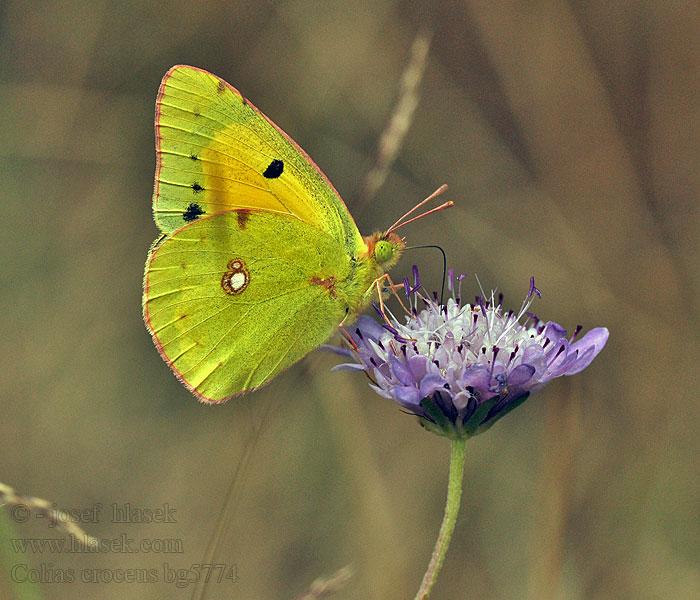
x: 217, y: 152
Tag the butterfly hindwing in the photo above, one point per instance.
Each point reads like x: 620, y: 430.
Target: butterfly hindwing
x: 216, y: 152
x: 235, y: 298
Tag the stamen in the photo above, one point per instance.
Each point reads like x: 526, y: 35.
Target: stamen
x: 533, y: 289
x: 459, y: 279
x: 493, y: 360
x: 416, y: 283
x: 390, y: 329
x: 561, y: 349
x: 578, y: 330
x: 512, y: 356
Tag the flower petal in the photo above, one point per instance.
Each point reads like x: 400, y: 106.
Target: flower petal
x: 407, y: 396
x: 478, y: 377
x: 588, y: 348
x: 554, y: 332
x: 521, y: 374
x: 418, y: 363
x: 401, y: 371
x: 382, y: 392
x: 337, y: 350
x: 461, y: 400
x: 369, y: 327
x: 349, y: 367
x: 430, y: 384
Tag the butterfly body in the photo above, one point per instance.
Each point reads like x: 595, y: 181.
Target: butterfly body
x: 259, y: 260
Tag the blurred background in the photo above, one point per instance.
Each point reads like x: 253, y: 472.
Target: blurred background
x: 569, y: 134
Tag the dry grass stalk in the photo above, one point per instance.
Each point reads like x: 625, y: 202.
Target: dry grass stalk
x: 325, y: 586
x: 57, y: 518
x: 401, y: 118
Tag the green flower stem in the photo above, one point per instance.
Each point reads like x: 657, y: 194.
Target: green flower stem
x: 454, y: 496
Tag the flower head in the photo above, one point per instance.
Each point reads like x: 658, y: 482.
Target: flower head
x: 461, y: 367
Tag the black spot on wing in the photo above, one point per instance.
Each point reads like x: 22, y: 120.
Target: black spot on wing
x: 194, y: 157
x: 193, y: 212
x: 274, y: 169
x: 197, y: 188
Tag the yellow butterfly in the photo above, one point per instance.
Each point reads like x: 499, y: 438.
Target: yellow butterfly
x: 259, y: 259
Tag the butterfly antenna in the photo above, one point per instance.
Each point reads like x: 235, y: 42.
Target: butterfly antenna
x: 400, y: 221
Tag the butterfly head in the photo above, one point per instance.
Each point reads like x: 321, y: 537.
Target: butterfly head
x: 385, y: 248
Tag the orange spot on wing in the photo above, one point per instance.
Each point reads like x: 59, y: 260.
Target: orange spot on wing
x: 243, y: 216
x: 328, y: 283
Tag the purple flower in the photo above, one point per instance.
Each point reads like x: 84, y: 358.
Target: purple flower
x: 460, y: 368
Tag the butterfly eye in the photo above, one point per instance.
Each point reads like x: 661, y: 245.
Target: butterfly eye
x: 383, y: 251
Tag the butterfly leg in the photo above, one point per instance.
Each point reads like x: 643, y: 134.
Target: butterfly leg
x: 348, y: 338
x: 356, y: 350
x: 393, y: 287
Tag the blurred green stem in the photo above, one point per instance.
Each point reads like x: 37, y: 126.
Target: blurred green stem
x: 454, y: 496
